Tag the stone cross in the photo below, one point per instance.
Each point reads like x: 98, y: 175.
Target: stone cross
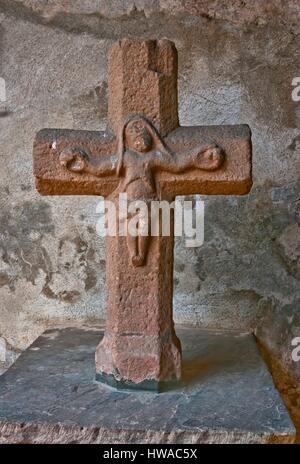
x: 147, y: 155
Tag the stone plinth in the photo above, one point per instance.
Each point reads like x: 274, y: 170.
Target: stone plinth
x: 227, y: 396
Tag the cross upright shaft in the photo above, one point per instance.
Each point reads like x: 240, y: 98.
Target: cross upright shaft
x: 144, y: 146
x: 143, y: 80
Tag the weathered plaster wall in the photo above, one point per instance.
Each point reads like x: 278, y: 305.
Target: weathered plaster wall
x: 236, y: 63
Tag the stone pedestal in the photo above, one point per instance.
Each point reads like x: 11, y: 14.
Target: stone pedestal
x: 227, y: 396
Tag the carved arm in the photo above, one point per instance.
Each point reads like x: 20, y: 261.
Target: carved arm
x: 205, y: 157
x: 75, y: 159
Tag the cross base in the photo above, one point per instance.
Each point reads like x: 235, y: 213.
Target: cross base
x: 146, y: 385
x: 139, y: 361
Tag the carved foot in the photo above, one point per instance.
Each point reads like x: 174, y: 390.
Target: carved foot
x: 138, y: 260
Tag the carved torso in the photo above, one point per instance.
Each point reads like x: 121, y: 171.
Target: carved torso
x: 137, y: 176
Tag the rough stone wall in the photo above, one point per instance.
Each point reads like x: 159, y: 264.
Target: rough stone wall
x: 237, y: 60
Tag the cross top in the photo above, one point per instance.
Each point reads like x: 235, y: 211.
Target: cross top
x: 146, y: 154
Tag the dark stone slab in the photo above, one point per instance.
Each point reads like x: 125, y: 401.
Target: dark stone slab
x: 227, y: 396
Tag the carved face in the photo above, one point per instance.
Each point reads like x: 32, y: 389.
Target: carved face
x: 138, y: 137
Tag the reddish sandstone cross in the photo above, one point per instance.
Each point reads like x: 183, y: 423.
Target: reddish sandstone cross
x: 146, y: 154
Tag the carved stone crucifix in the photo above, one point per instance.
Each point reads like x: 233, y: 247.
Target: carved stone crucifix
x: 147, y: 155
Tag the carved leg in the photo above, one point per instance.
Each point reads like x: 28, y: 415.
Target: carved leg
x: 132, y: 244
x: 143, y: 245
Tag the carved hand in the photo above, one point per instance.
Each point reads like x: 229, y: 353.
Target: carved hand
x: 74, y: 159
x: 209, y: 158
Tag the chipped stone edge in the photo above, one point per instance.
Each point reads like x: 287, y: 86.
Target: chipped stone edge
x: 38, y: 433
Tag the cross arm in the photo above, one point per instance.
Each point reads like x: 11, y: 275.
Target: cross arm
x: 231, y: 177
x: 55, y: 149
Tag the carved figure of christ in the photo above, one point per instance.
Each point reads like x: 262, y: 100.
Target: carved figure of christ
x: 141, y: 153
x: 145, y: 154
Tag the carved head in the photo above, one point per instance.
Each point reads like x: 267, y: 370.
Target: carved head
x: 138, y: 136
